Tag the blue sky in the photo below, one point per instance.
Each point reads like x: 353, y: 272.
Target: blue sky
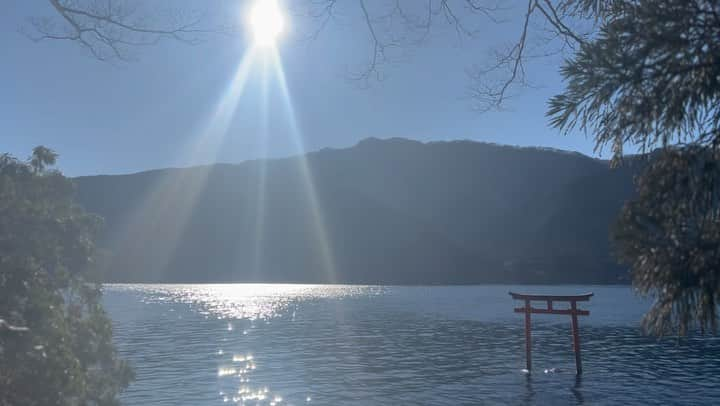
x: 126, y: 117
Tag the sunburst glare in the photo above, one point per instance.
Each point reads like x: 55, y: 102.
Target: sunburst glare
x: 266, y: 22
x: 309, y: 184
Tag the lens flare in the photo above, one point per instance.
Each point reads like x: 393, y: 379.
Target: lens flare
x: 320, y: 231
x: 266, y: 22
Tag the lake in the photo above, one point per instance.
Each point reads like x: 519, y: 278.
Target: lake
x: 374, y: 345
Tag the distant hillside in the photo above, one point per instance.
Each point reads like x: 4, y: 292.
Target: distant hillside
x: 383, y: 211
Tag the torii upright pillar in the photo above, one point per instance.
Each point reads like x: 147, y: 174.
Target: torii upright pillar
x: 572, y: 311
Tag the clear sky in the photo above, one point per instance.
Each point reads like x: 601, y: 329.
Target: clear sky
x: 126, y: 117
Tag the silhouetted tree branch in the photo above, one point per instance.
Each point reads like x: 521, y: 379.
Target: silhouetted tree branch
x: 110, y: 29
x: 396, y: 24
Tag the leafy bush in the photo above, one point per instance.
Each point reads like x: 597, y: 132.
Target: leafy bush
x: 55, y: 338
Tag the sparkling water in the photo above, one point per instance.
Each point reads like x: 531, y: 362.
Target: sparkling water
x: 374, y: 345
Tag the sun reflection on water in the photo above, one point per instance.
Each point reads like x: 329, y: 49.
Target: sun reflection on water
x: 245, y: 301
x: 243, y: 308
x: 240, y: 374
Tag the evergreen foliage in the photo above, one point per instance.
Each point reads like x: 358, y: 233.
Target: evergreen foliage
x: 651, y: 78
x: 55, y: 339
x: 670, y: 234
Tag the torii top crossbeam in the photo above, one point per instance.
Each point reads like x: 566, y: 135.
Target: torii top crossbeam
x: 585, y: 297
x: 549, y: 299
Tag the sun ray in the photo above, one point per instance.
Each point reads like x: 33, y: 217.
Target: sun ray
x: 172, y: 195
x: 261, y: 186
x: 214, y: 133
x: 306, y: 173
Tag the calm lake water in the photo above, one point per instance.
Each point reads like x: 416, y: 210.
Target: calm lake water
x: 364, y: 345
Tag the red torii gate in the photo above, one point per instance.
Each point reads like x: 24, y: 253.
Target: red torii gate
x: 573, y: 312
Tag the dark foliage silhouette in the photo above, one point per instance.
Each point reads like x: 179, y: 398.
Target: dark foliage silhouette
x: 55, y: 339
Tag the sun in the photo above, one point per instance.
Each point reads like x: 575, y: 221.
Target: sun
x: 266, y: 22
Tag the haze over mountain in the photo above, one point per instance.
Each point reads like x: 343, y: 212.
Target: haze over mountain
x: 382, y: 211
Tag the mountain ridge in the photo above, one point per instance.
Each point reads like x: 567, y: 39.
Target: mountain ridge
x: 387, y: 210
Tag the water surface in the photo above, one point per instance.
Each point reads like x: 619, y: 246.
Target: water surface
x: 358, y: 345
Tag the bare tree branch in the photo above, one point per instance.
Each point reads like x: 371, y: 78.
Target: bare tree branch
x: 551, y: 16
x: 111, y: 29
x: 491, y: 95
x: 323, y: 11
x: 492, y: 82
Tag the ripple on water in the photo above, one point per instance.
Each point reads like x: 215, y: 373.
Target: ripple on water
x: 212, y: 344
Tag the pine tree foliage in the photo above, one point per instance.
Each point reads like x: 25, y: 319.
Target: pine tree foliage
x: 670, y: 236
x: 651, y: 79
